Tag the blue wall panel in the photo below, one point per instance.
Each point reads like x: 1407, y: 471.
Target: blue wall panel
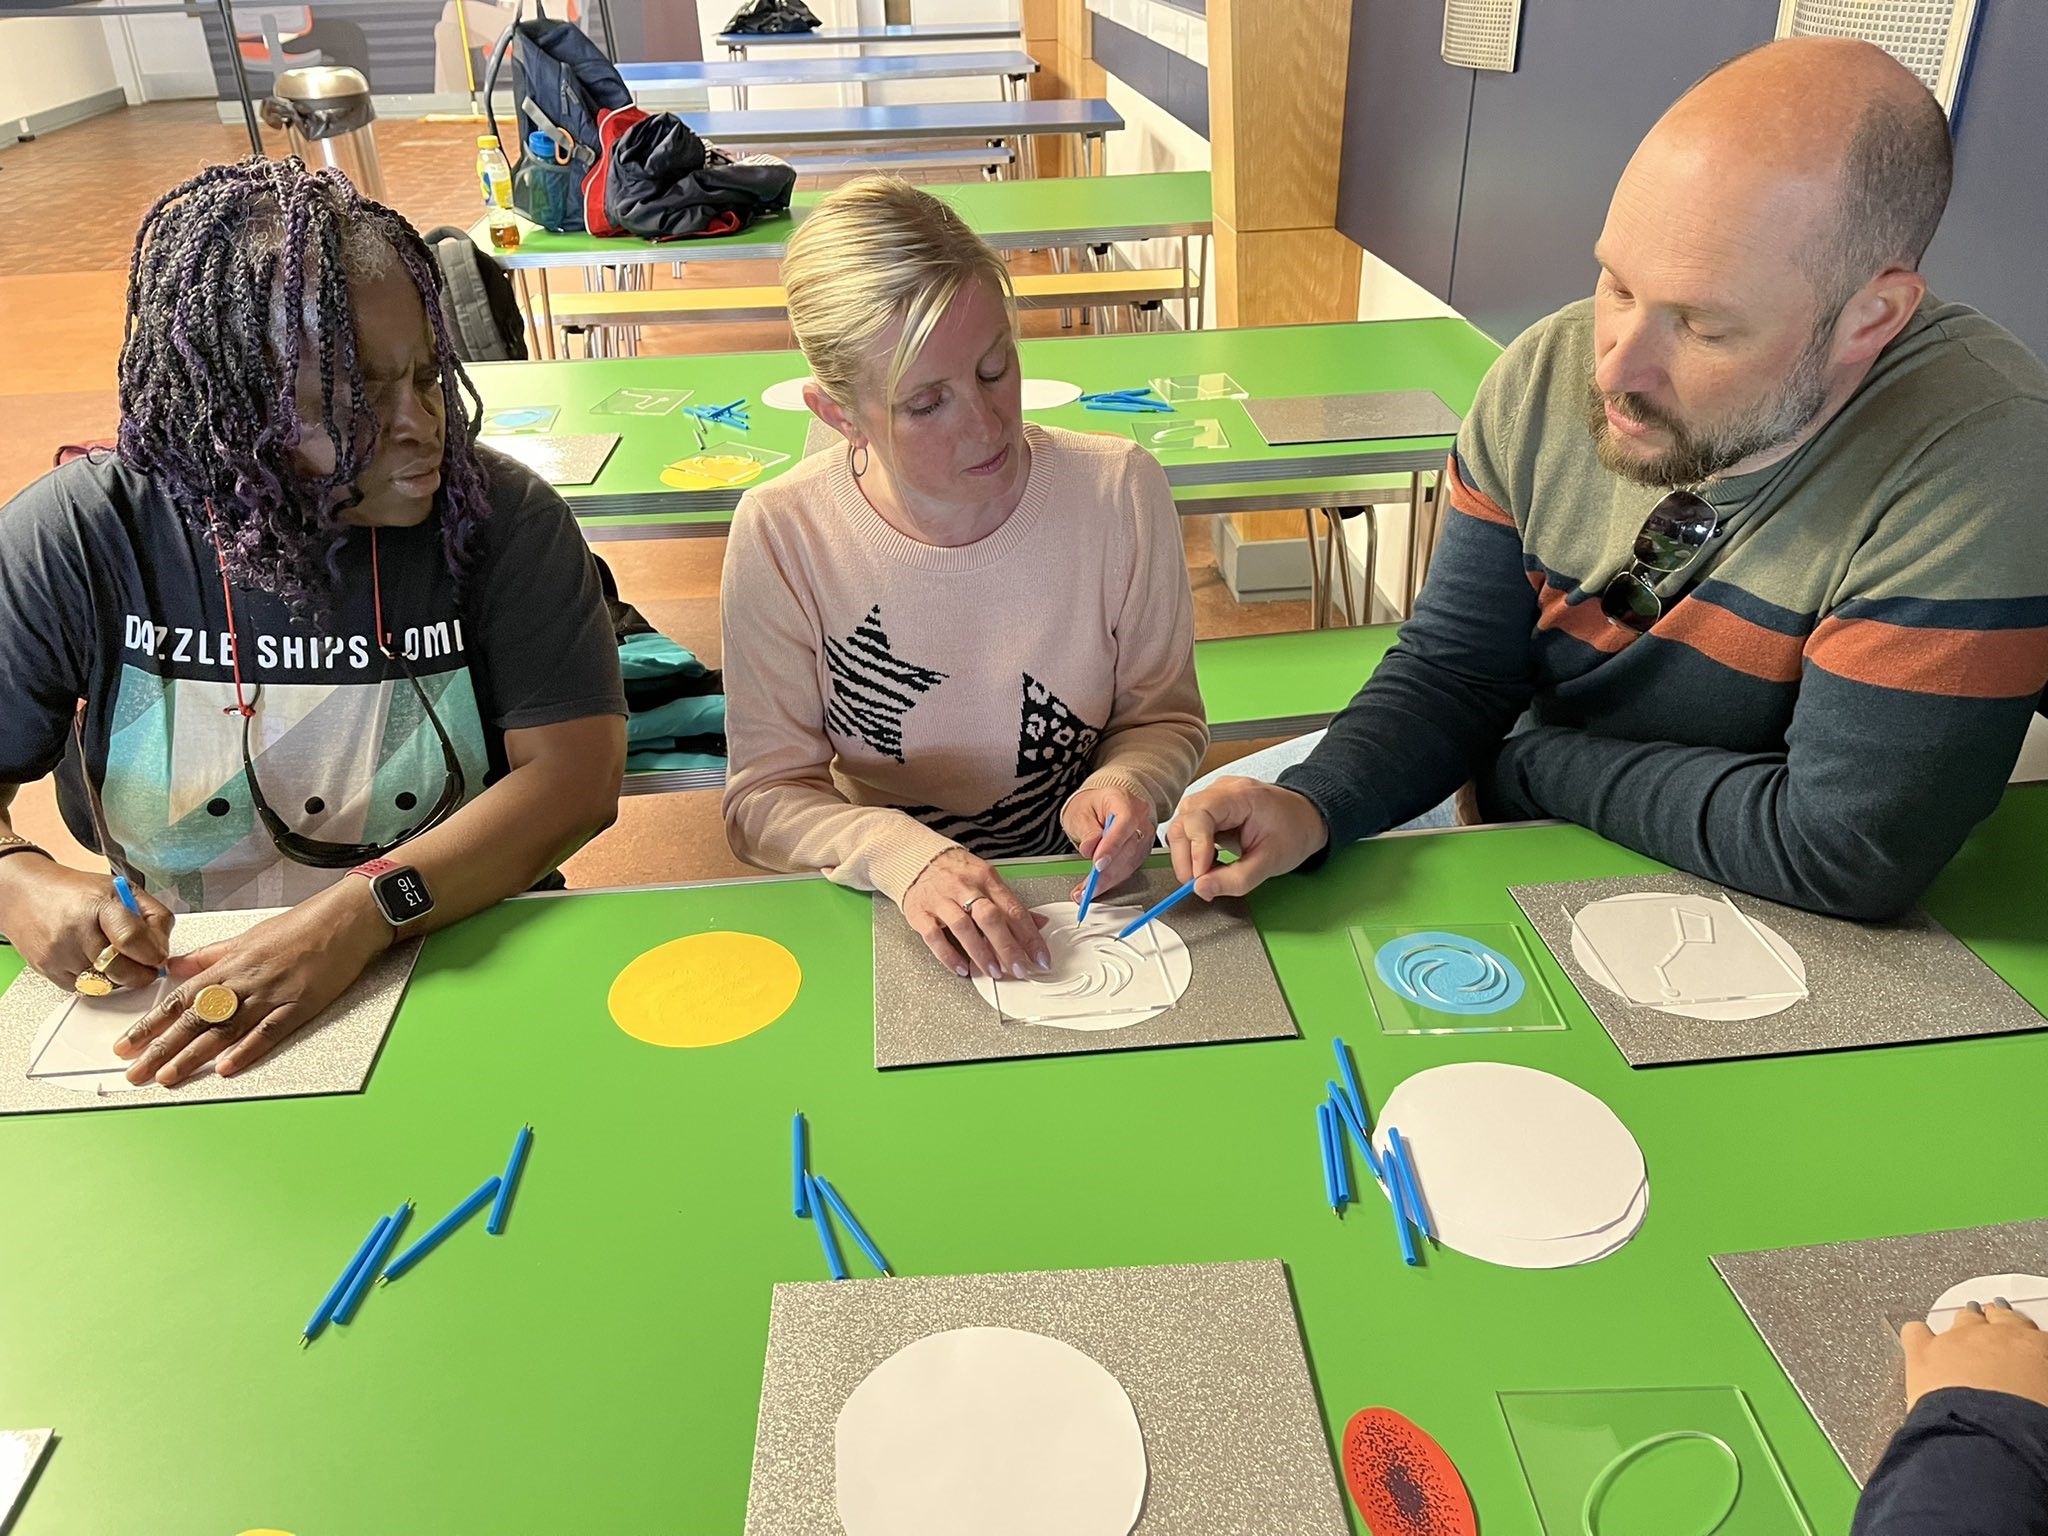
x: 1405, y: 112
x: 1549, y: 141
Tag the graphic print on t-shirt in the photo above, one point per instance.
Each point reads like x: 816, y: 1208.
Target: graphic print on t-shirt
x: 344, y: 763
x: 1055, y: 750
x: 872, y: 687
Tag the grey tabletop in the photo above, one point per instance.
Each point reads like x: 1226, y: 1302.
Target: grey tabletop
x: 878, y: 69
x: 927, y: 120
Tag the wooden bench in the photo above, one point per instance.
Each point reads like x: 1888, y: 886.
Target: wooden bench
x: 600, y: 316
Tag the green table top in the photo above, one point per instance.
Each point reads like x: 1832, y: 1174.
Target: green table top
x: 598, y: 1367
x: 1305, y: 675
x: 1444, y: 355
x: 1010, y: 215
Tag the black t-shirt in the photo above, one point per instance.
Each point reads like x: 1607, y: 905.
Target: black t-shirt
x: 108, y: 595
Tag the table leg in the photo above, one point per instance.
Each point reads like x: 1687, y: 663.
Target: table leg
x: 1315, y: 574
x: 547, y: 311
x: 227, y: 24
x: 526, y: 308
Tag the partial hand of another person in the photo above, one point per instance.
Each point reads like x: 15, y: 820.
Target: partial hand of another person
x: 283, y: 972
x: 1272, y: 830
x: 967, y: 916
x: 1118, y: 852
x: 62, y: 919
x: 1995, y: 1350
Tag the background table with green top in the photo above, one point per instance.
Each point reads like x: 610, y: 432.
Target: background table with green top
x: 598, y: 1366
x: 1444, y: 355
x: 1064, y: 213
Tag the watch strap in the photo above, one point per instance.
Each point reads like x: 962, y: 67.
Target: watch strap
x: 370, y: 869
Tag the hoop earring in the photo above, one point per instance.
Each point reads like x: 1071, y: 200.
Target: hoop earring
x: 858, y: 459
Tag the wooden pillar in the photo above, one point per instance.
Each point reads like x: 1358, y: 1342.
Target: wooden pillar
x: 1276, y: 132
x: 1060, y: 35
x: 1276, y: 135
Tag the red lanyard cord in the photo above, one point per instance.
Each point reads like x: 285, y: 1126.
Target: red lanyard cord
x: 241, y: 706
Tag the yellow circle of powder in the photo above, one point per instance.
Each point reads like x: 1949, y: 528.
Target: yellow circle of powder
x: 706, y: 989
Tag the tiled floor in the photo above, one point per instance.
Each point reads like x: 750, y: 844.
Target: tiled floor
x: 69, y: 205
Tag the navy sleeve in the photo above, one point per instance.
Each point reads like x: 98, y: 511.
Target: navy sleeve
x: 1965, y: 1463
x: 47, y: 617
x: 1447, y: 692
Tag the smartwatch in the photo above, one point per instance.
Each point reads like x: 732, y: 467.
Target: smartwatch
x: 399, y: 890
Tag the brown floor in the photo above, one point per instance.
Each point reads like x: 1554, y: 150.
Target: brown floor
x: 70, y: 202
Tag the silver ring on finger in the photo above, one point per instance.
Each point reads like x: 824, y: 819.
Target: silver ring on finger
x: 968, y: 904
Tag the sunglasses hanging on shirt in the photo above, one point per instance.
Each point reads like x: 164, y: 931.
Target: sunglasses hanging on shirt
x: 297, y: 846
x: 1673, y: 535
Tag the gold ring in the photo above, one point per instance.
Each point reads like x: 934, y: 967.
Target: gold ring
x: 107, y: 957
x: 216, y: 1004
x: 92, y: 984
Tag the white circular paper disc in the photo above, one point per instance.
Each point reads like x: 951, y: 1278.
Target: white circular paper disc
x: 1713, y: 1013
x: 2026, y: 1293
x: 1045, y: 394
x: 787, y: 396
x: 1507, y: 1156
x: 1097, y: 980
x: 992, y: 1431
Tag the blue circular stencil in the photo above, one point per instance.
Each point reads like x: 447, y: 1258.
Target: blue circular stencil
x: 1449, y: 973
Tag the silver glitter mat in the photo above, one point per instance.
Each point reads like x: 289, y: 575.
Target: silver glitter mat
x: 573, y: 458
x: 1831, y: 1315
x: 1899, y: 983
x: 925, y: 1015
x: 1351, y: 418
x: 1209, y: 1354
x: 332, y: 1054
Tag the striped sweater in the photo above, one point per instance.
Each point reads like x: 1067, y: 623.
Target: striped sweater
x: 1839, y: 685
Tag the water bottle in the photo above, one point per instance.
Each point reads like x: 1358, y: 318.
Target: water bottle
x: 495, y: 177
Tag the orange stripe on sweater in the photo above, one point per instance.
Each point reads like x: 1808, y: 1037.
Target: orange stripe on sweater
x: 1732, y: 640
x: 1958, y: 663
x: 1471, y: 502
x: 1582, y: 621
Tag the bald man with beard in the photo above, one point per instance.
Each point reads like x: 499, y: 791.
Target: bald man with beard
x: 1746, y: 566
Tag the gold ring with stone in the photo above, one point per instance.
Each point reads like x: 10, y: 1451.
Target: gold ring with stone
x: 92, y: 983
x: 216, y: 1004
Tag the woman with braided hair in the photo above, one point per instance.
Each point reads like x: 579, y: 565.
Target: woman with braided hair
x: 301, y: 642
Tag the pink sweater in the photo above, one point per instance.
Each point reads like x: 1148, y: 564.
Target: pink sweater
x: 888, y: 700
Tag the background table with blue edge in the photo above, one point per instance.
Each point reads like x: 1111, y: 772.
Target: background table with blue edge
x: 598, y: 1366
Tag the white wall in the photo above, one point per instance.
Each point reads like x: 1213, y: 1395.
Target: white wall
x: 161, y: 58
x: 46, y: 65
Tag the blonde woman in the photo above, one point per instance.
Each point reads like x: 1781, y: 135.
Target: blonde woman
x: 955, y: 637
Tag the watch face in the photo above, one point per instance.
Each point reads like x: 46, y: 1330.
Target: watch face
x: 403, y: 895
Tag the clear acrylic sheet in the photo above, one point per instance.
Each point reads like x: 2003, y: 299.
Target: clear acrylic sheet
x: 507, y: 421
x: 1178, y: 387
x: 1655, y: 1461
x: 1664, y: 950
x: 641, y: 402
x: 75, y: 1047
x: 1201, y: 434
x: 1478, y: 978
x: 721, y: 466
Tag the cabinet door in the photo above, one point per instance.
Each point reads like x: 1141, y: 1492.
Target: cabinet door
x: 1549, y: 141
x: 1405, y: 113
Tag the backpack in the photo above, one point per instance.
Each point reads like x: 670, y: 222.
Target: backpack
x: 762, y: 16
x: 658, y: 180
x: 477, y: 297
x: 561, y: 82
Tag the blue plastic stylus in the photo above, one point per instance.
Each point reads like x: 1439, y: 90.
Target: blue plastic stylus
x: 859, y: 1233
x: 1094, y: 874
x: 335, y: 1291
x: 507, y: 1179
x: 1146, y: 916
x: 433, y: 1236
x: 367, y: 1275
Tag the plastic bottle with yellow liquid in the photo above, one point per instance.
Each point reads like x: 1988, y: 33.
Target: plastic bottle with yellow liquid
x: 495, y: 176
